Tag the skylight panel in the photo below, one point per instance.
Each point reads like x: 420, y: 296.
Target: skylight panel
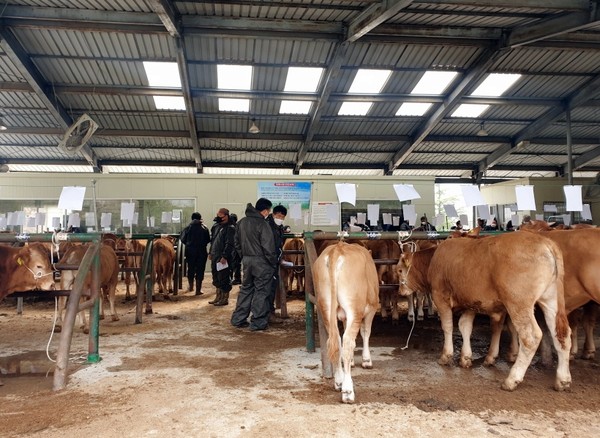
x: 496, y: 84
x: 369, y: 81
x: 295, y: 107
x: 355, y: 108
x: 147, y: 169
x: 162, y: 74
x: 169, y: 102
x: 469, y: 110
x: 234, y: 77
x: 434, y: 82
x: 413, y: 109
x: 303, y: 79
x: 239, y: 105
x: 75, y: 168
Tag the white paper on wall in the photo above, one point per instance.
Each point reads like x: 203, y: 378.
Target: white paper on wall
x: 396, y: 221
x: 71, y: 198
x: 550, y: 208
x: 2, y: 222
x: 176, y: 216
x: 464, y: 220
x: 105, y: 220
x: 136, y: 217
x: 483, y: 211
x: 410, y: 213
x: 74, y: 220
x: 373, y: 213
x: 30, y: 221
x: 150, y: 221
x: 20, y: 218
x: 127, y: 209
x: 56, y: 222
x: 10, y: 219
x: 346, y: 192
x: 586, y: 214
x: 352, y: 220
x: 539, y: 217
x: 573, y: 198
x: 295, y: 211
x: 90, y: 218
x: 515, y: 220
x: 387, y: 218
x: 361, y: 218
x: 165, y: 217
x: 566, y: 219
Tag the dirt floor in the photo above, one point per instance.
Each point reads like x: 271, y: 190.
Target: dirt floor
x: 186, y: 372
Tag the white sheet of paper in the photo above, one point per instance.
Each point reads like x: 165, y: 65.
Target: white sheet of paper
x: 71, y: 198
x: 306, y: 217
x: 439, y: 221
x: 333, y: 214
x: 90, y: 218
x: 361, y: 218
x: 2, y: 222
x: 10, y: 219
x: 152, y: 221
x: 20, y: 218
x: 105, y: 220
x: 450, y: 210
x: 352, y: 220
x: 387, y: 218
x: 396, y: 221
x: 472, y: 196
x: 55, y: 222
x: 586, y: 213
x: 165, y: 217
x: 127, y: 209
x: 355, y: 229
x: 483, y: 211
x: 406, y: 192
x: 464, y: 220
x: 539, y: 217
x: 346, y: 192
x: 176, y: 216
x: 74, y: 220
x: 550, y: 208
x: 136, y: 217
x: 525, y: 197
x: 513, y: 208
x: 30, y: 221
x: 373, y: 213
x: 40, y: 219
x: 573, y: 197
x: 221, y: 266
x: 410, y: 213
x: 295, y: 211
x: 126, y: 223
x: 566, y: 219
x: 515, y: 220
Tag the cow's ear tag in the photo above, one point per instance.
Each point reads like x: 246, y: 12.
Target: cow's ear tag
x: 20, y: 261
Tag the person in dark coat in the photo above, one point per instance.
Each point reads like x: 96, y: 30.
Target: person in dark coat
x: 236, y: 265
x: 275, y: 220
x: 195, y: 237
x: 254, y: 241
x: 221, y: 255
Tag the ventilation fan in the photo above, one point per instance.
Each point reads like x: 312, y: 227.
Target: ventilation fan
x: 78, y: 135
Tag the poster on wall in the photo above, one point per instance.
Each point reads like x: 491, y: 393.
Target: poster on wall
x: 325, y: 214
x: 295, y: 196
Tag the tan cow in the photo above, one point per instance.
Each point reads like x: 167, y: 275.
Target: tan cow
x: 130, y: 260
x: 347, y: 289
x: 163, y: 259
x: 386, y: 274
x: 25, y: 268
x: 516, y: 271
x: 109, y: 276
x: 293, y: 273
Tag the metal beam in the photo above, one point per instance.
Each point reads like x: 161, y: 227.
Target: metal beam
x: 586, y: 158
x: 373, y: 16
x: 475, y: 73
x: 168, y: 15
x: 559, y: 5
x: 327, y: 87
x: 19, y: 57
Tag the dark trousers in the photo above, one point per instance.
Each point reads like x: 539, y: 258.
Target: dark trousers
x: 222, y: 278
x: 254, y: 293
x: 273, y: 292
x: 196, y: 264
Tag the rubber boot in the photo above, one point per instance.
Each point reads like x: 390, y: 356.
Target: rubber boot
x: 218, y: 297
x: 199, y: 288
x: 224, y: 300
x: 190, y: 285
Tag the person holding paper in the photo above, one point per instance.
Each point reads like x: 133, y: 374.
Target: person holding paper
x: 254, y: 241
x: 195, y: 237
x: 221, y: 254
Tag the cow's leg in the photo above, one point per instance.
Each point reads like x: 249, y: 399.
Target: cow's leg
x: 497, y: 322
x: 465, y: 326
x: 110, y: 291
x: 60, y: 307
x: 575, y: 317
x: 394, y: 305
x: 384, y: 299
x: 530, y: 336
x: 511, y: 356
x: 430, y: 306
x: 445, y: 312
x: 558, y: 325
x: 420, y: 302
x: 590, y: 312
x: 411, y: 307
x: 365, y: 333
x: 348, y: 345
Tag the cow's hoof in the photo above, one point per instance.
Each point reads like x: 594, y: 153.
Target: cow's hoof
x: 115, y: 318
x: 446, y: 360
x: 57, y: 329
x: 562, y: 386
x: 588, y: 355
x: 86, y: 331
x: 348, y: 397
x: 337, y: 386
x: 367, y: 365
x: 489, y: 361
x: 420, y: 318
x: 509, y: 385
x: 511, y: 357
x: 101, y: 316
x: 411, y: 318
x: 466, y: 362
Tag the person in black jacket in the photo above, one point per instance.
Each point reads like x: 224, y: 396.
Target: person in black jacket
x: 254, y: 241
x: 221, y: 255
x: 275, y: 220
x: 236, y: 265
x: 195, y: 237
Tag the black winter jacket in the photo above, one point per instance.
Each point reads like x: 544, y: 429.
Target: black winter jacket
x: 195, y: 237
x: 222, y: 243
x: 254, y: 237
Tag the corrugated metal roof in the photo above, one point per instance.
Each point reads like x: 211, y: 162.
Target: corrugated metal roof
x: 100, y: 5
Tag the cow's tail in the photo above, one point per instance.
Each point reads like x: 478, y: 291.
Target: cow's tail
x: 562, y: 322
x: 333, y: 341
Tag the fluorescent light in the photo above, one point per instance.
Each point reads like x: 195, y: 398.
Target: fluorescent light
x: 496, y: 84
x: 147, y: 169
x: 234, y: 77
x: 413, y: 109
x: 303, y: 79
x: 369, y: 81
x: 469, y: 110
x: 239, y: 105
x: 355, y: 108
x: 169, y: 102
x: 434, y: 82
x: 162, y: 74
x: 71, y: 168
x: 245, y: 171
x: 295, y: 107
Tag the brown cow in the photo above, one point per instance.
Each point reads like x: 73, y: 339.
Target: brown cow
x: 386, y: 249
x: 163, y: 258
x: 347, y: 289
x: 128, y: 246
x: 109, y: 276
x: 512, y: 280
x: 294, y: 273
x: 25, y: 268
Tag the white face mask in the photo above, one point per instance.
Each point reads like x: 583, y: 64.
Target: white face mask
x: 278, y: 221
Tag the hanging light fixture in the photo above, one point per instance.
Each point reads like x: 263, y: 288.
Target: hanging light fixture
x: 253, y: 128
x: 482, y: 131
x: 3, y: 127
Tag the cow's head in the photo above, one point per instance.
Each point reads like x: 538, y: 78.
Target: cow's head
x: 32, y: 263
x: 403, y: 270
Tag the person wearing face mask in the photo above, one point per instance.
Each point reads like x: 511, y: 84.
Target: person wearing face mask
x: 254, y: 241
x: 195, y: 237
x: 221, y: 256
x: 425, y: 225
x: 275, y: 220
